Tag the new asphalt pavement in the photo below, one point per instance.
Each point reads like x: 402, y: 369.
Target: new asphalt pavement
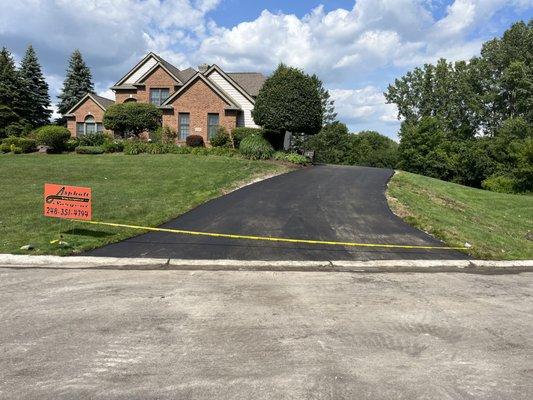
x: 328, y: 203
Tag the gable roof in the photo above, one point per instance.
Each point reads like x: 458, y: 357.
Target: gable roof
x: 232, y: 81
x: 169, y: 68
x: 216, y: 89
x: 102, y: 102
x: 249, y: 81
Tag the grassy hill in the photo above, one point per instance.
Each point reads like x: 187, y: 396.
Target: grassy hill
x: 140, y: 190
x: 498, y: 226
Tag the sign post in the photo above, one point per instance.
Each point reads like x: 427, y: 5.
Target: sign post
x: 67, y: 202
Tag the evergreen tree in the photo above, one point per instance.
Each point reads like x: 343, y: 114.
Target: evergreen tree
x: 35, y: 101
x: 9, y: 92
x: 77, y: 83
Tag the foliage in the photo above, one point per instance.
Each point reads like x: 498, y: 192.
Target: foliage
x: 132, y: 118
x: 371, y: 149
x: 77, y: 84
x: 241, y: 132
x: 168, y: 135
x: 53, y: 136
x: 194, y: 141
x: 328, y: 105
x: 10, y: 110
x: 331, y: 145
x: 199, y: 151
x: 223, y: 151
x: 134, y: 147
x: 92, y: 139
x: 15, y: 129
x: 90, y: 150
x: 500, y: 184
x: 71, y: 144
x: 293, y: 158
x: 34, y: 98
x: 26, y: 145
x: 289, y: 101
x: 256, y: 147
x: 113, y: 145
x: 221, y: 138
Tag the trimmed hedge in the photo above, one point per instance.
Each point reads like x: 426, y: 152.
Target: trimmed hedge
x: 19, y: 145
x: 241, y: 132
x: 90, y: 150
x: 194, y: 141
x: 53, y: 136
x: 256, y: 147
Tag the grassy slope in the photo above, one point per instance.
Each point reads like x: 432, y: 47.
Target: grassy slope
x: 496, y: 225
x: 144, y: 190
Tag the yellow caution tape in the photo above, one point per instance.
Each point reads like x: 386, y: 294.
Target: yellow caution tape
x: 271, y: 239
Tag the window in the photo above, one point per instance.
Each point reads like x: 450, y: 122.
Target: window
x: 158, y: 96
x: 89, y: 126
x: 183, y: 119
x: 212, y: 125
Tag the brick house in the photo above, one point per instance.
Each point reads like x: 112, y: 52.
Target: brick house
x: 192, y: 101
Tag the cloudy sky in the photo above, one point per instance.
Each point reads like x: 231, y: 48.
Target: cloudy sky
x: 356, y: 47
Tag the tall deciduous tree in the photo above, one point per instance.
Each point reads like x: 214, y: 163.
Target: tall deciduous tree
x: 35, y: 100
x: 289, y: 101
x: 9, y: 92
x: 77, y: 83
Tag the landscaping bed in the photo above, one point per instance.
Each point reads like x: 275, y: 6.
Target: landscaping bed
x: 142, y: 190
x: 496, y: 225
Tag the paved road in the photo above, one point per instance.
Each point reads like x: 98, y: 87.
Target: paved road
x: 111, y: 334
x: 333, y: 203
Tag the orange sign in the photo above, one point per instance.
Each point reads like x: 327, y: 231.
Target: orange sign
x: 62, y: 201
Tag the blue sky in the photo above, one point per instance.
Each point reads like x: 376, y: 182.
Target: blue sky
x: 356, y: 47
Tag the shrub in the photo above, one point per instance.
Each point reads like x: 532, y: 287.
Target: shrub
x: 241, y: 132
x: 256, y: 147
x: 182, y: 150
x: 195, y: 141
x: 89, y: 150
x: 500, y: 183
x: 53, y: 136
x: 72, y: 143
x: 92, y: 139
x: 221, y: 139
x: 14, y: 130
x: 156, y: 136
x: 24, y: 144
x: 4, y: 148
x: 223, y: 151
x: 294, y: 158
x: 199, y: 151
x: 160, y: 148
x: 16, y: 149
x: 134, y: 147
x: 168, y: 135
x: 113, y: 145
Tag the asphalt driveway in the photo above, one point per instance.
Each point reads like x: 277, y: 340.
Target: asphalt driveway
x: 332, y: 203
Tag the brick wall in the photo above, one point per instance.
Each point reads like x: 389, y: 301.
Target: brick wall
x: 199, y: 100
x: 88, y: 107
x: 159, y: 78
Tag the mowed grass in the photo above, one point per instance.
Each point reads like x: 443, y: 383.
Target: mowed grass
x: 498, y: 226
x: 142, y: 190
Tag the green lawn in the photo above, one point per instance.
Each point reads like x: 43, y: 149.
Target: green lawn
x: 145, y: 190
x: 498, y: 226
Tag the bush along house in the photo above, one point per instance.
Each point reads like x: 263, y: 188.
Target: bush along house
x: 193, y: 102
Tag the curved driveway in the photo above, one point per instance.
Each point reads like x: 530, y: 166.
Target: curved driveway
x: 333, y: 203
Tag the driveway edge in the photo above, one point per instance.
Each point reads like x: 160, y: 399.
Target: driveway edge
x: 87, y: 262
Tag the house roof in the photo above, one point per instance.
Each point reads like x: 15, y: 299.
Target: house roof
x: 102, y: 102
x: 216, y: 89
x: 252, y: 82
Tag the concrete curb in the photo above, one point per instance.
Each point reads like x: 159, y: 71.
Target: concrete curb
x: 80, y: 262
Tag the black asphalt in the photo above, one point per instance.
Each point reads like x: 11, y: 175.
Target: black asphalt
x: 331, y: 203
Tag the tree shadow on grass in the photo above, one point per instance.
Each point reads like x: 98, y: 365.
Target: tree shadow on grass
x: 88, y: 232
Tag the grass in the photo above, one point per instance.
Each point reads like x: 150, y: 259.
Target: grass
x: 144, y: 190
x: 498, y: 226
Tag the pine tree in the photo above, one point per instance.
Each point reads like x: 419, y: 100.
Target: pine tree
x: 9, y: 91
x: 77, y: 83
x: 35, y: 100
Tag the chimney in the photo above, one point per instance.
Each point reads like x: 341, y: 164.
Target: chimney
x: 202, y: 68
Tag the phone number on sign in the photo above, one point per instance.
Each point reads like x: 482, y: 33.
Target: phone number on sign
x: 64, y: 212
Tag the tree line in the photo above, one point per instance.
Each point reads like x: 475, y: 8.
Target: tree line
x: 471, y: 122
x: 24, y: 93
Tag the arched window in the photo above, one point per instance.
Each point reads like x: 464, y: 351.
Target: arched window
x: 130, y: 100
x: 88, y: 126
